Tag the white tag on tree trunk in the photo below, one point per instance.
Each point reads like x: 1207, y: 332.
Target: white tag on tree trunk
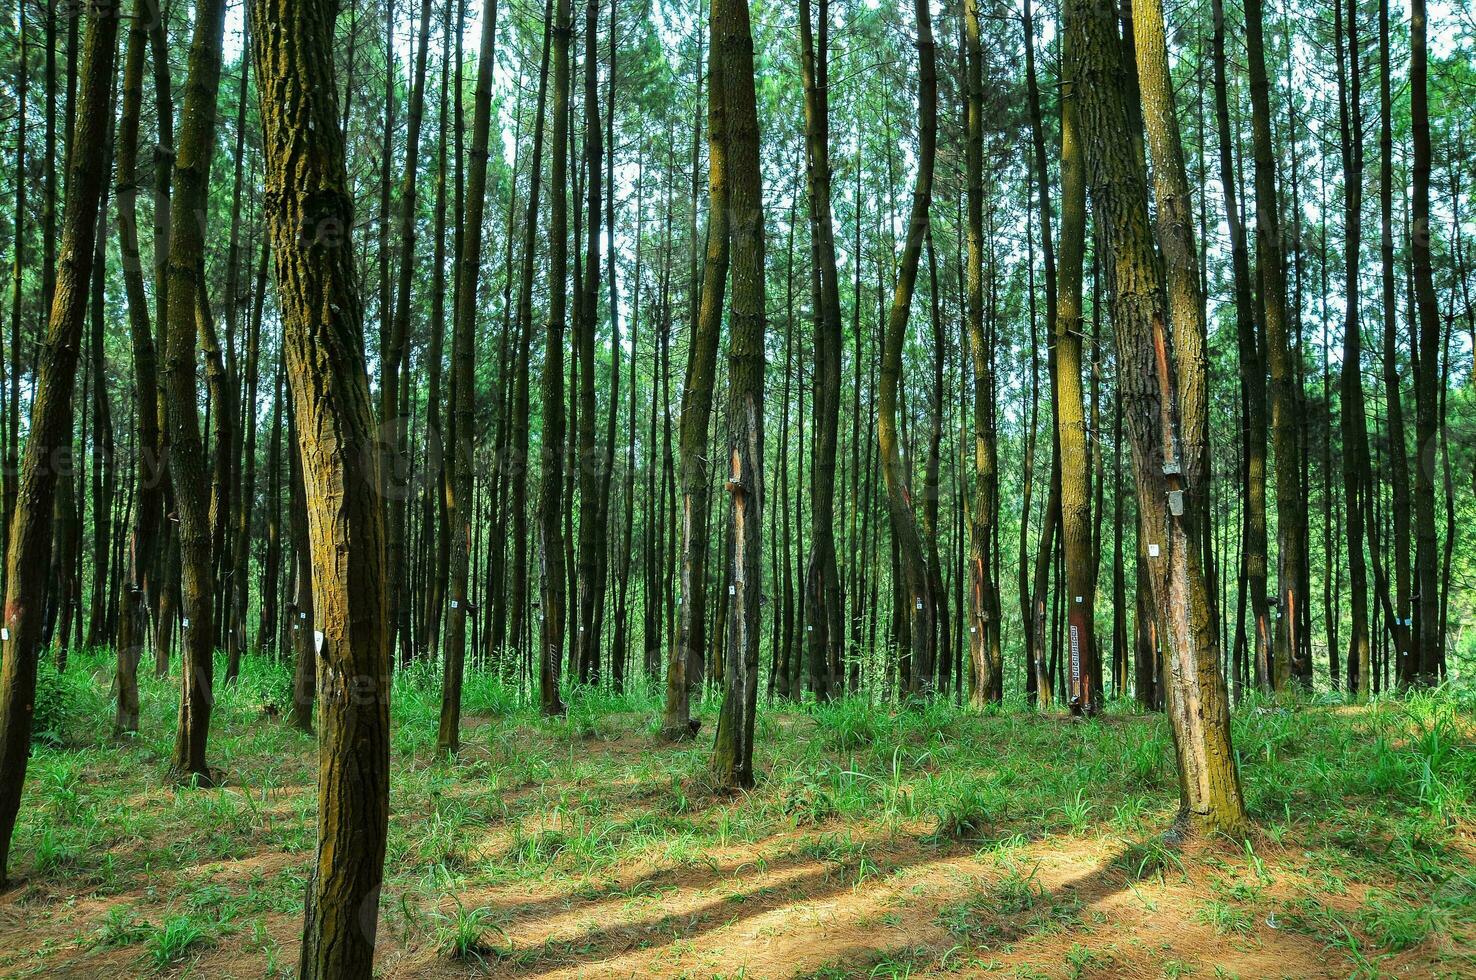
x: 302, y: 615
x: 973, y: 629
x: 919, y: 603
x: 1078, y: 600
x: 581, y: 629
x: 732, y: 590
x: 809, y: 629
x: 318, y: 641
x: 186, y: 623
x: 1153, y: 551
x: 454, y: 604
x: 4, y: 633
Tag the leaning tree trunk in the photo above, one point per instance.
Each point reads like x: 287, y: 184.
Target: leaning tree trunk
x: 51, y: 417
x: 140, y: 582
x: 690, y: 634
x: 1209, y: 781
x: 309, y: 213
x: 920, y: 639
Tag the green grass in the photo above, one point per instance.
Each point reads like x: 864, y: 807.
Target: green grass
x: 929, y: 815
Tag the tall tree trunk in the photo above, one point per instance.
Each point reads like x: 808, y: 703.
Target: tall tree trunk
x: 552, y: 572
x: 591, y: 534
x: 1354, y: 425
x: 142, y: 581
x: 1430, y: 641
x: 519, y: 599
x: 732, y: 760
x: 189, y: 323
x: 985, y: 649
x: 823, y: 611
x: 1288, y: 660
x: 1209, y: 781
x: 459, y: 504
x: 323, y: 333
x: 690, y: 635
x: 920, y: 641
x: 51, y: 418
x: 1399, y: 620
x: 1071, y: 445
x: 392, y: 421
x: 1252, y: 374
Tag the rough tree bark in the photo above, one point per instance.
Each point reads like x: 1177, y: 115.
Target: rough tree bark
x: 310, y: 215
x: 51, y: 416
x: 732, y: 760
x: 189, y: 325
x: 1198, y: 706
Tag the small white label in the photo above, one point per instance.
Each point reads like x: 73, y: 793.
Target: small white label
x: 186, y: 623
x: 973, y: 629
x: 732, y: 590
x: 454, y: 604
x: 679, y: 600
x: 1078, y: 600
x: 919, y: 604
x: 809, y: 629
x: 302, y: 615
x: 4, y: 633
x: 1153, y: 551
x: 318, y: 640
x: 581, y: 629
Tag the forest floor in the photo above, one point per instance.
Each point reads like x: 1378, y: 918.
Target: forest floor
x: 878, y: 843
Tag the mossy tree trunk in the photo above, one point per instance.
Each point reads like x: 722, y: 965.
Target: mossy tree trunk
x: 188, y: 326
x: 310, y: 216
x: 920, y: 641
x: 1198, y: 706
x: 51, y: 415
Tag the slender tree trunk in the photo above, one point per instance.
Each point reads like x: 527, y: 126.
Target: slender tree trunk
x: 1288, y: 660
x: 190, y: 322
x: 392, y: 421
x: 732, y: 760
x: 459, y: 503
x: 51, y: 418
x: 1430, y: 649
x: 519, y: 599
x: 1076, y: 531
x: 919, y: 643
x: 823, y: 612
x: 690, y: 635
x: 552, y: 572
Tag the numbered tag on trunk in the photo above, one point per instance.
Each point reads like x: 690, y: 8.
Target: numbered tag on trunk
x: 317, y: 641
